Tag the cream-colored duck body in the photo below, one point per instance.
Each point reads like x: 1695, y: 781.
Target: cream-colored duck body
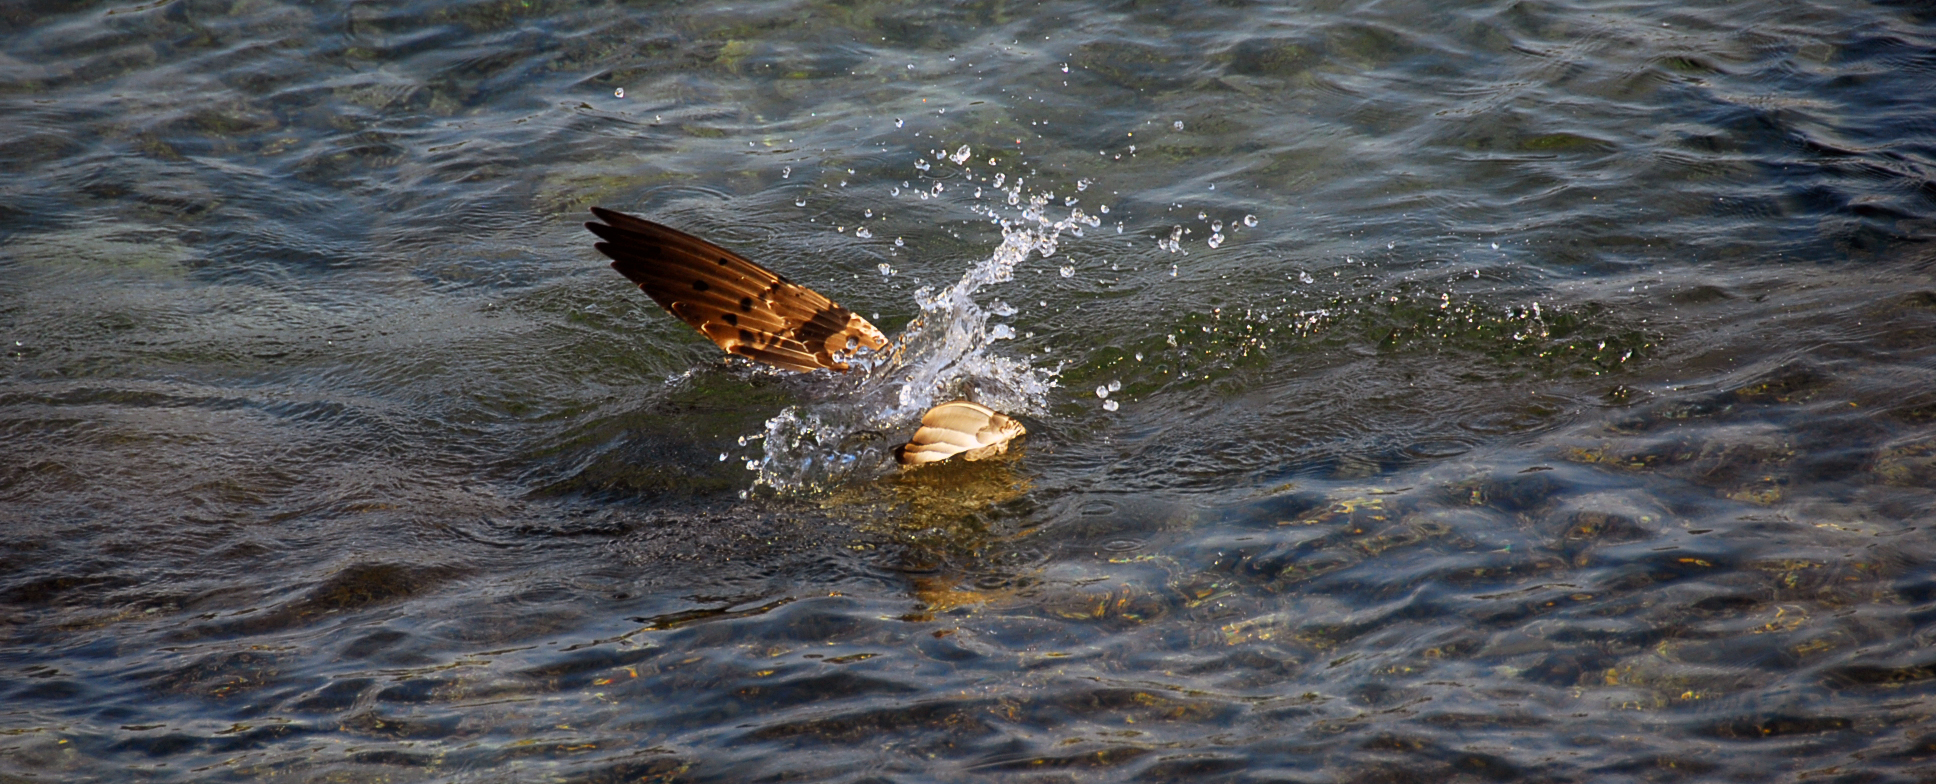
x: 959, y: 427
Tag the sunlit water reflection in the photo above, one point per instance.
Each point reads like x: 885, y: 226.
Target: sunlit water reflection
x: 1512, y: 391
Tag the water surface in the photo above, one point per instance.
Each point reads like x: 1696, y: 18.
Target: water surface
x: 1451, y: 391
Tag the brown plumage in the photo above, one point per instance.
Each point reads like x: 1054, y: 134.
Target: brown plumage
x: 747, y: 309
x: 961, y: 428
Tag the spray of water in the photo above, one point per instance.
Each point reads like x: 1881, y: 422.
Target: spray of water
x: 945, y: 354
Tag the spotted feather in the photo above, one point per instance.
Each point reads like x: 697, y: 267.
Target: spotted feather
x: 747, y: 309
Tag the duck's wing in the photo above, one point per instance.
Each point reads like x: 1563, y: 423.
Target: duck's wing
x: 747, y: 309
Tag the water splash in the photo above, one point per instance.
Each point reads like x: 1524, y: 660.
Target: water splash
x: 851, y: 430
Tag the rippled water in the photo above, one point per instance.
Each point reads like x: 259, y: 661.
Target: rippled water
x: 1452, y: 391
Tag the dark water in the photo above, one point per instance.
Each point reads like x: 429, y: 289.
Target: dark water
x: 1569, y: 414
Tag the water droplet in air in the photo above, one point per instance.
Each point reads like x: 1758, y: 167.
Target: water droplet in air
x: 752, y: 465
x: 1065, y: 67
x: 1203, y: 216
x: 1115, y: 384
x: 785, y: 172
x: 863, y: 233
x: 1109, y: 405
x: 922, y: 164
x: 1068, y: 272
x: 897, y: 122
x: 999, y: 178
x: 1216, y: 240
x: 960, y: 155
x: 1139, y: 356
x: 1102, y: 392
x: 722, y: 457
x: 868, y: 213
x: 1305, y: 277
x: 1250, y: 220
x: 800, y: 202
x: 619, y: 93
x: 898, y: 243
x: 886, y: 268
x: 1178, y: 125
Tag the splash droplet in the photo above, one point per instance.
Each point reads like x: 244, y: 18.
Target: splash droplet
x: 800, y: 202
x: 1068, y: 271
x: 1109, y: 405
x: 1102, y: 392
x: 1177, y: 125
x: 863, y: 233
x: 618, y: 93
x: 1250, y: 220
